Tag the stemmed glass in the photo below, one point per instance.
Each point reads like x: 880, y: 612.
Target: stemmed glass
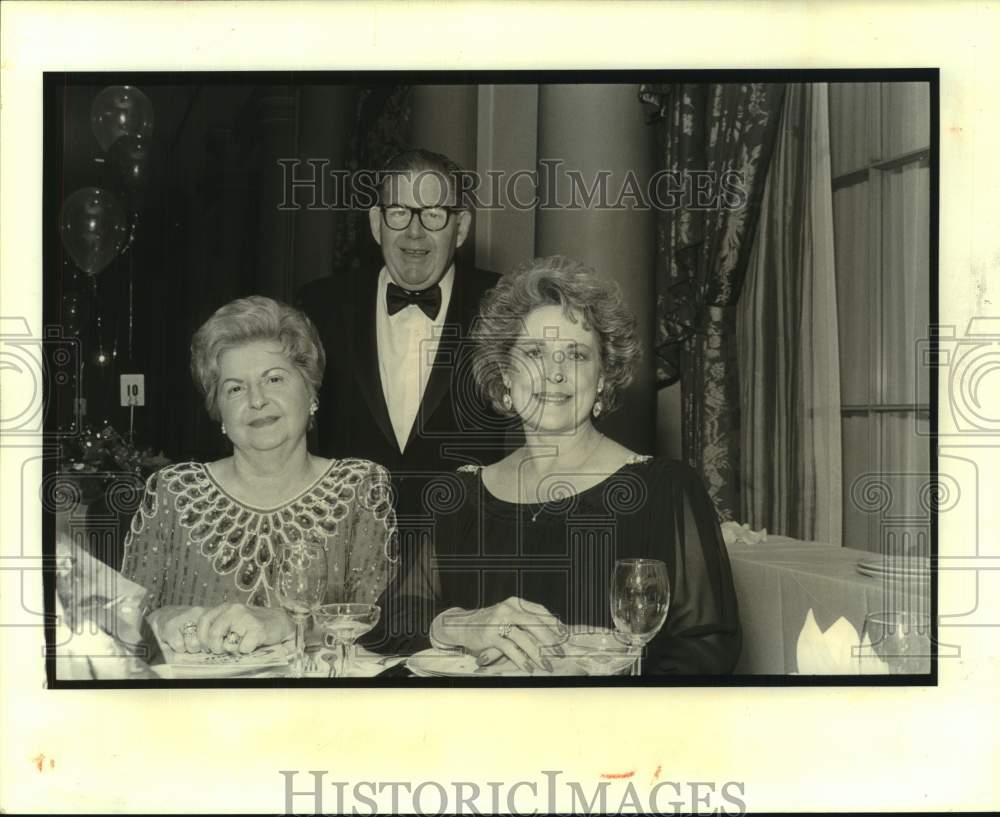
x: 300, y: 584
x: 900, y: 639
x: 640, y: 598
x: 345, y: 623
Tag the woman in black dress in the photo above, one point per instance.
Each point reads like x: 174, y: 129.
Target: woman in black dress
x: 526, y: 546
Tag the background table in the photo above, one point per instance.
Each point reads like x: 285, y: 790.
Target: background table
x: 780, y: 580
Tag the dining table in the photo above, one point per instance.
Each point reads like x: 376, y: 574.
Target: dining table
x: 146, y: 661
x: 779, y: 580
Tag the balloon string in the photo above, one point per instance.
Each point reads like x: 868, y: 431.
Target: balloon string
x: 131, y: 305
x: 131, y: 235
x: 101, y: 359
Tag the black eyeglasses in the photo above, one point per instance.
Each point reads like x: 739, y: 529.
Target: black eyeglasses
x: 398, y: 216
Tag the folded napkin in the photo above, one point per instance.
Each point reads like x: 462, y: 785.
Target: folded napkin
x: 735, y: 533
x: 91, y: 591
x: 90, y: 653
x: 98, y: 618
x: 835, y: 651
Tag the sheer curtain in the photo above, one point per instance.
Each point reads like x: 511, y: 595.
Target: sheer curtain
x: 788, y: 339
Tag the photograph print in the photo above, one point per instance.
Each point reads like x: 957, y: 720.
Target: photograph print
x: 496, y: 378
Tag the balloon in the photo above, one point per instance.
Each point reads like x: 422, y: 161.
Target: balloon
x: 131, y: 165
x: 130, y: 161
x: 93, y: 228
x: 120, y: 110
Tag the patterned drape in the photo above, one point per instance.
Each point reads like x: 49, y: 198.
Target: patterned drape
x: 380, y: 130
x: 704, y: 133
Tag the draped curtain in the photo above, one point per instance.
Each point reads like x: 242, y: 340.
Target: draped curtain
x: 702, y: 258
x: 790, y: 406
x: 381, y: 129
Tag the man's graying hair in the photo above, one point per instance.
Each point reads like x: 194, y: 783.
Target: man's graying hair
x: 418, y: 160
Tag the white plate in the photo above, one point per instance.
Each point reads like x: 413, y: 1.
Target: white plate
x: 223, y: 665
x: 892, y: 567
x: 588, y: 651
x: 447, y: 664
x: 175, y: 672
x: 599, y: 652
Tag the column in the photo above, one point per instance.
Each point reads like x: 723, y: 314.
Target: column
x: 508, y: 144
x: 444, y: 120
x: 594, y: 129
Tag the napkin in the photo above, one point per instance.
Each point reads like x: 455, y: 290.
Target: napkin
x: 835, y: 651
x: 90, y: 653
x: 735, y: 533
x: 91, y: 591
x: 99, y: 614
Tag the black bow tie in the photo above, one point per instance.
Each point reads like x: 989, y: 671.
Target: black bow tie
x: 429, y: 300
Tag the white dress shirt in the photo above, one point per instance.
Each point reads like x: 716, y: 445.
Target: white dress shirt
x: 407, y: 344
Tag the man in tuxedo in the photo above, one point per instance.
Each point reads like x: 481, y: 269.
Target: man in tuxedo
x: 396, y: 388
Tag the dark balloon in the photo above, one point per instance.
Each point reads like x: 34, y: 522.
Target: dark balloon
x: 93, y: 228
x: 130, y: 158
x: 131, y: 166
x: 120, y: 110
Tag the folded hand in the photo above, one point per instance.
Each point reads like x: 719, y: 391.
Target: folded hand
x: 517, y: 629
x: 234, y: 628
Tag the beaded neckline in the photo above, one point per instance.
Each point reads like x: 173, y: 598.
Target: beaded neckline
x: 273, y: 508
x: 242, y: 540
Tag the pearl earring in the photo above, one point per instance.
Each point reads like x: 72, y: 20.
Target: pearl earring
x: 223, y: 428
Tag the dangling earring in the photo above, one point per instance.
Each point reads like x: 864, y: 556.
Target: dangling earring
x: 507, y: 400
x: 598, y: 405
x: 314, y: 407
x: 223, y: 428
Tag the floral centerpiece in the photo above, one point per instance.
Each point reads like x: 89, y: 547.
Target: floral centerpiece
x: 97, y: 455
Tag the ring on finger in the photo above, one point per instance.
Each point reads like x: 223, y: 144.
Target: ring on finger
x: 190, y: 628
x: 233, y: 638
x: 504, y: 629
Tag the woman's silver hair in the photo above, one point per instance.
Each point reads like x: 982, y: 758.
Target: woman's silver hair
x: 248, y: 320
x: 584, y: 296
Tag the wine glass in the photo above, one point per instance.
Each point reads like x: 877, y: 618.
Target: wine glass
x: 300, y: 584
x: 640, y: 597
x: 899, y: 639
x: 345, y: 623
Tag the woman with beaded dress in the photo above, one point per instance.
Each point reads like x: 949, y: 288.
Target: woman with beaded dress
x: 205, y: 539
x: 527, y: 545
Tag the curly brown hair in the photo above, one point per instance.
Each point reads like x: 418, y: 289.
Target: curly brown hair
x: 583, y: 294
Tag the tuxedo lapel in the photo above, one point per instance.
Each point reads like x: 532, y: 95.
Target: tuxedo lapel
x: 441, y: 374
x: 365, y: 336
x: 456, y: 326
